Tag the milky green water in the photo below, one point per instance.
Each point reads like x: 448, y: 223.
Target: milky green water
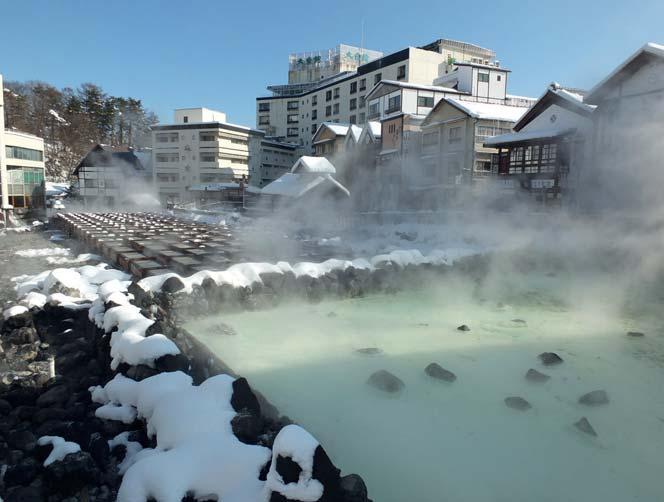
x: 439, y: 441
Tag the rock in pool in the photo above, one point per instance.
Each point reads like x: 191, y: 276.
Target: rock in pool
x: 594, y: 398
x: 436, y: 371
x: 463, y: 327
x: 584, y: 426
x: 517, y: 403
x: 635, y: 334
x: 535, y: 376
x: 385, y: 381
x: 519, y: 322
x: 369, y: 351
x: 550, y: 358
x: 331, y: 314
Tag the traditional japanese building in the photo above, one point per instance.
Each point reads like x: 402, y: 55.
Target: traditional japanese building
x: 544, y: 156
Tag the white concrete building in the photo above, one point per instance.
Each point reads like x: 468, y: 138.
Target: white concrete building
x: 276, y: 159
x: 295, y: 116
x: 201, y: 147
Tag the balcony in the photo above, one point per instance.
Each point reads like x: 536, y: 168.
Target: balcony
x: 373, y: 115
x: 393, y: 109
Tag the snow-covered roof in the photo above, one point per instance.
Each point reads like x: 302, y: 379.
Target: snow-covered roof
x: 297, y: 184
x: 375, y: 128
x: 52, y: 189
x: 573, y: 97
x: 548, y: 97
x: 409, y: 85
x: 355, y: 131
x: 214, y: 187
x: 649, y: 48
x: 517, y: 137
x: 488, y: 111
x: 308, y: 164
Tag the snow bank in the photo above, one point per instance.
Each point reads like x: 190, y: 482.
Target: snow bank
x: 34, y: 299
x: 196, y: 449
x: 15, y: 310
x: 294, y: 442
x: 133, y: 450
x: 248, y: 274
x: 61, y: 448
x: 38, y: 253
x: 78, y: 259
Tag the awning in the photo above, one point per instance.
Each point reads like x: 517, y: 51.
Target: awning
x: 523, y: 136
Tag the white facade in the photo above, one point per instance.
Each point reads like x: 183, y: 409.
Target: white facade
x: 202, y: 149
x: 276, y: 159
x: 296, y: 118
x: 24, y: 168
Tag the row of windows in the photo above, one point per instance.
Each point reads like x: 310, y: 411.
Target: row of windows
x: 170, y: 137
x: 533, y: 159
x: 17, y: 152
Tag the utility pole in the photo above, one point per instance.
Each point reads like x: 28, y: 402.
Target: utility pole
x: 4, y: 185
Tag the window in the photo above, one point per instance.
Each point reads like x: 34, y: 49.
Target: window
x: 549, y: 154
x: 483, y: 77
x: 171, y: 137
x: 373, y: 110
x: 353, y: 119
x: 430, y: 138
x: 293, y: 105
x: 498, y: 77
x: 425, y: 101
x: 353, y: 87
x: 313, y: 128
x: 163, y: 177
x: 208, y: 156
x: 353, y: 103
x: 336, y: 92
x: 362, y: 101
x: 454, y: 134
x: 263, y: 120
x: 363, y: 84
x: 336, y: 108
x: 531, y: 159
x: 17, y: 152
x: 292, y: 119
x: 263, y: 107
x: 377, y: 78
x: 185, y: 119
x: 516, y: 160
x: 314, y: 99
x: 328, y: 110
x: 401, y: 72
x: 328, y: 95
x: 363, y: 117
x: 207, y: 136
x: 314, y: 114
x: 394, y: 104
x: 167, y: 157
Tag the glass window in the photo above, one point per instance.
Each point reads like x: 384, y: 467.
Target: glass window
x: 328, y: 95
x: 328, y: 110
x: 17, y: 152
x: 293, y: 105
x: 292, y: 119
x: 263, y: 120
x: 363, y: 84
x: 353, y: 87
x: 336, y: 108
x: 353, y: 103
x: 377, y: 78
x: 263, y: 107
x: 401, y: 72
x: 483, y: 77
x: 426, y: 101
x: 314, y: 99
x: 336, y: 92
x: 394, y: 103
x: 314, y: 114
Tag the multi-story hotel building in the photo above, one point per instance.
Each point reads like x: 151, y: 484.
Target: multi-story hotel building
x: 201, y: 147
x: 295, y: 110
x: 21, y: 166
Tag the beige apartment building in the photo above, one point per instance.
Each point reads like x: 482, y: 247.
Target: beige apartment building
x: 294, y: 111
x: 201, y: 147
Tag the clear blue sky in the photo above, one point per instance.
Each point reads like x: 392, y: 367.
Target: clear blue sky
x: 222, y: 54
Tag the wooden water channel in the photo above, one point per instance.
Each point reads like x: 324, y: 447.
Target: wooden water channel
x: 147, y: 244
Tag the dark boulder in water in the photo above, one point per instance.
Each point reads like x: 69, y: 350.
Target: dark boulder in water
x: 369, y: 351
x: 386, y: 381
x: 436, y: 371
x: 331, y: 314
x: 584, y: 426
x: 517, y: 403
x: 594, y: 398
x: 535, y: 376
x: 172, y: 285
x: 550, y: 358
x: 635, y: 334
x: 463, y: 327
x: 519, y: 322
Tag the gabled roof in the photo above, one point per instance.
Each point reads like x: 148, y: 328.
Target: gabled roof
x: 353, y: 136
x: 372, y: 129
x: 337, y: 128
x: 109, y: 156
x: 645, y: 54
x: 296, y: 185
x: 556, y: 94
x: 409, y: 85
x: 521, y: 137
x: 318, y: 165
x: 485, y: 111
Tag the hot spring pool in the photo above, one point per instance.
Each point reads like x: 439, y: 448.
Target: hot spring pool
x: 459, y: 442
